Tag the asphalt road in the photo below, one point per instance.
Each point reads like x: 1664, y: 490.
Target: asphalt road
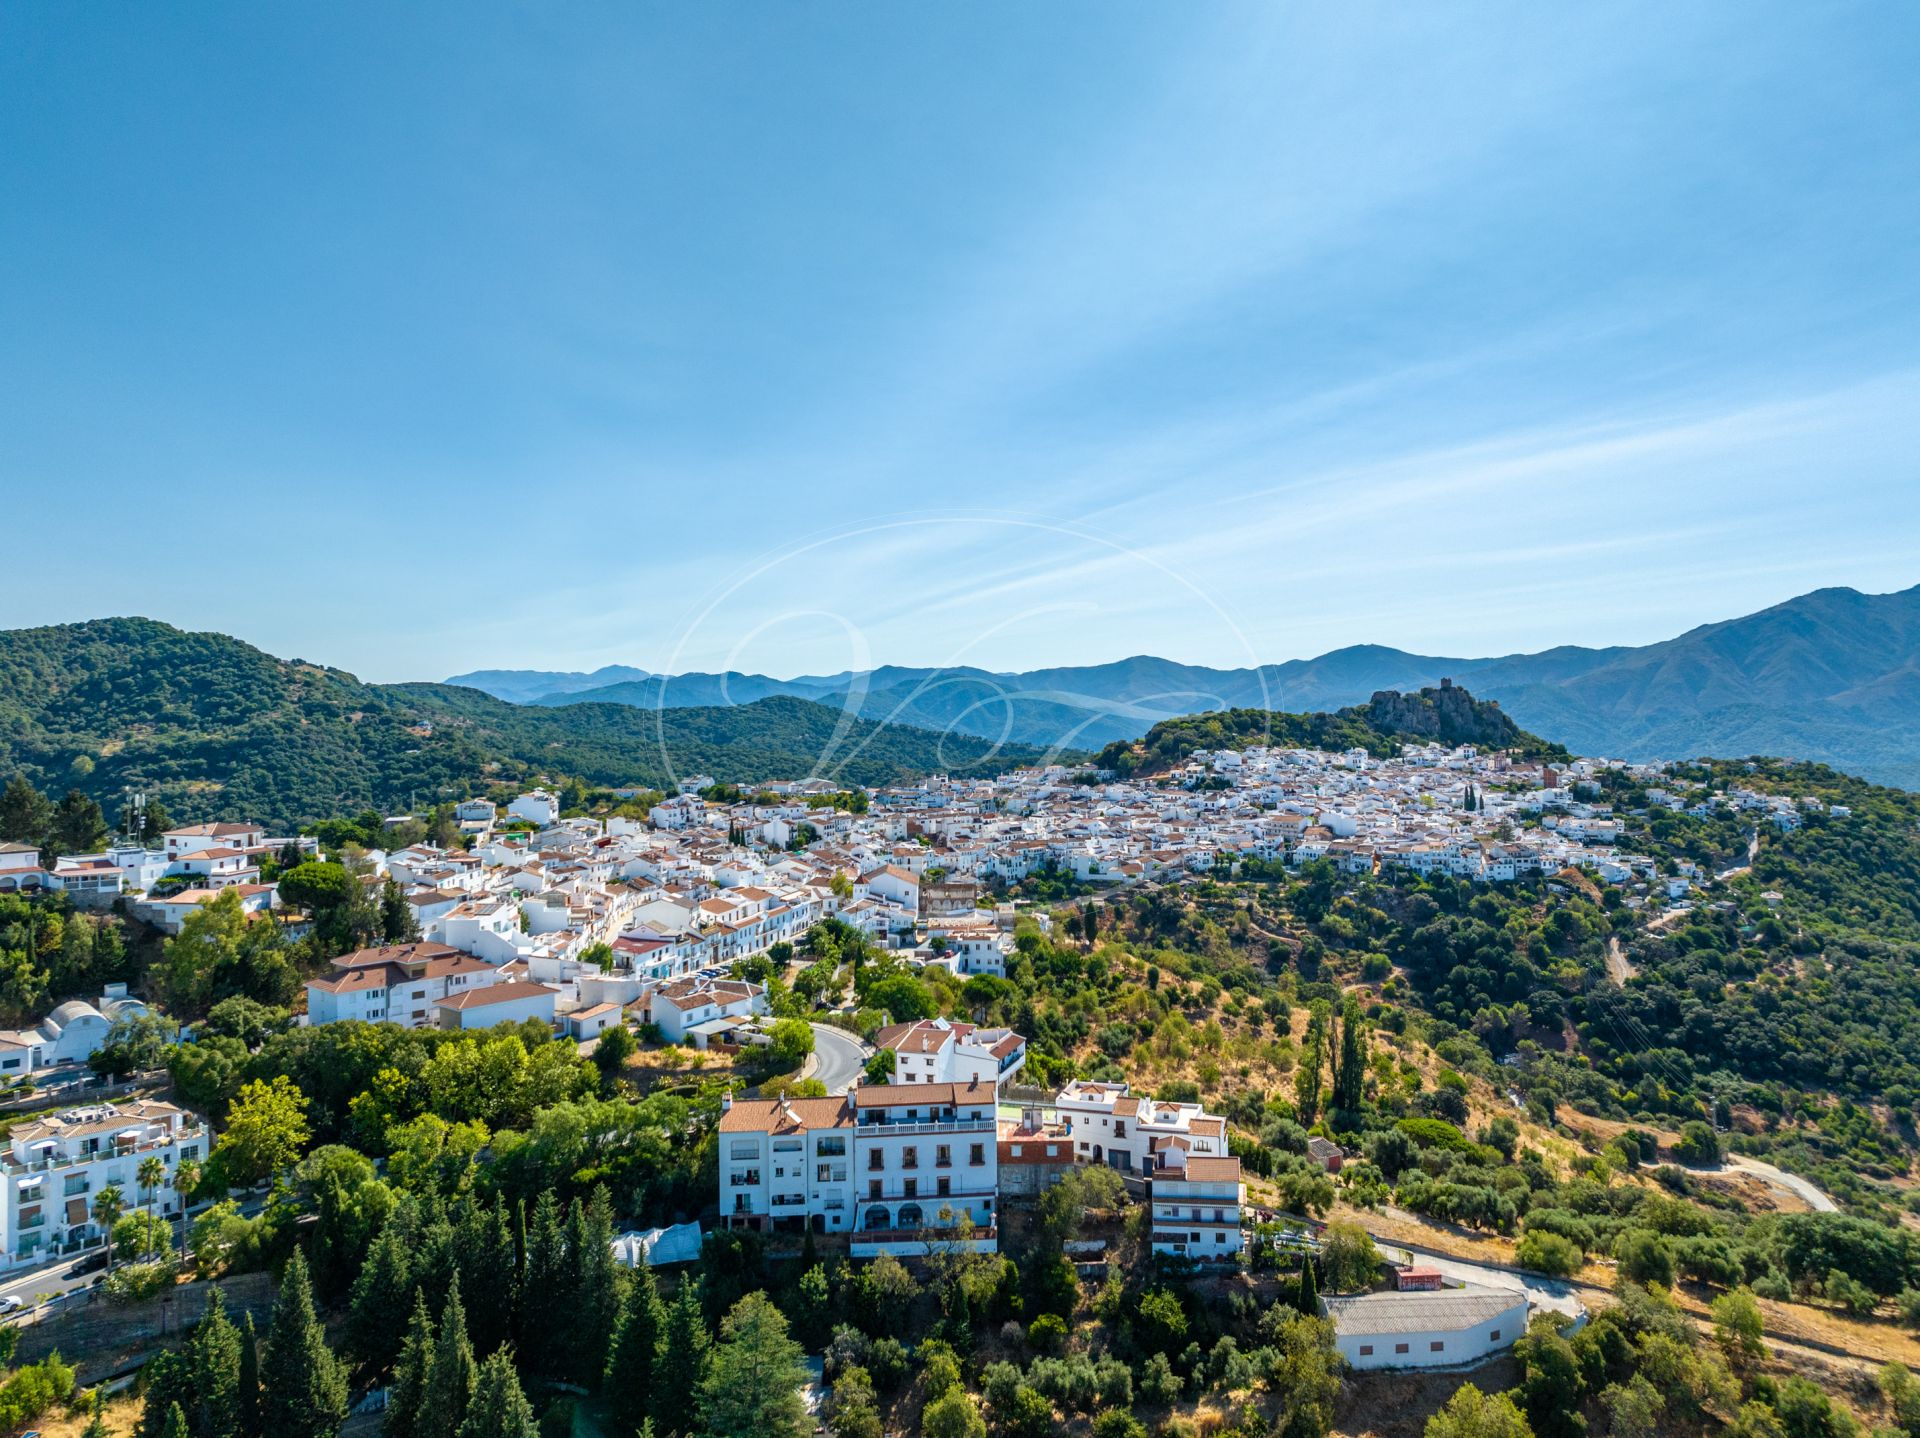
x: 838, y: 1057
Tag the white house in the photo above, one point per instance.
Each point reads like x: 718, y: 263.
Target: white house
x: 71, y: 1034
x: 1196, y: 1204
x: 949, y: 1051
x: 508, y: 1003
x: 1111, y: 1125
x: 679, y: 1006
x: 537, y: 807
x: 52, y: 1168
x: 1425, y: 1329
x: 399, y: 984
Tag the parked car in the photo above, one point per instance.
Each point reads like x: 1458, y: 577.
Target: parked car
x: 88, y: 1263
x: 11, y: 1304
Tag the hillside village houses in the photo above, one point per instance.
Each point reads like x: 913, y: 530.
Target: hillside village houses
x: 580, y: 922
x: 700, y: 884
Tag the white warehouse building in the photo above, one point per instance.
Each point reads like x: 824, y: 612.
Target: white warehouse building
x: 1431, y: 1329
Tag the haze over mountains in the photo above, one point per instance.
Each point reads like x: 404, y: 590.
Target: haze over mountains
x: 1832, y: 676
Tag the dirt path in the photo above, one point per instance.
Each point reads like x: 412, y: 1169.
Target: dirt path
x: 1618, y: 969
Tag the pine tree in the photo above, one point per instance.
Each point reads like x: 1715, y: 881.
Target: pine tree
x: 213, y: 1361
x: 499, y: 1409
x: 247, y: 1393
x: 682, y: 1364
x: 752, y: 1387
x: 1349, y: 1080
x: 1308, y: 1298
x: 596, y: 1302
x: 176, y: 1423
x: 26, y: 817
x: 398, y: 923
x: 451, y: 1378
x: 376, y: 1318
x: 410, y: 1372
x: 169, y: 1383
x: 489, y: 1266
x: 631, y: 1359
x: 97, y: 1423
x: 545, y: 1292
x: 303, y: 1388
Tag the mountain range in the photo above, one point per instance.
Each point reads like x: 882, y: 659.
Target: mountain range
x: 1832, y: 676
x: 219, y: 729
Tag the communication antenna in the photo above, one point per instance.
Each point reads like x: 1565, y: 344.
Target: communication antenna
x: 136, y: 811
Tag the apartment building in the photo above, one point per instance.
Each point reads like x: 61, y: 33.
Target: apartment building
x: 888, y: 1164
x: 398, y: 984
x: 53, y: 1168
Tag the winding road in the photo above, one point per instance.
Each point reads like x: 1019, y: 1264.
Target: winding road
x: 838, y: 1057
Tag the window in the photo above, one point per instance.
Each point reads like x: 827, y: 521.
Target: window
x: 912, y: 1188
x: 833, y: 1145
x: 910, y: 1157
x: 1436, y: 1346
x: 945, y: 1188
x: 873, y: 1188
x: 977, y: 1155
x: 1366, y: 1350
x: 745, y: 1177
x: 943, y: 1156
x: 1495, y: 1335
x: 876, y: 1160
x: 1399, y: 1348
x: 743, y: 1148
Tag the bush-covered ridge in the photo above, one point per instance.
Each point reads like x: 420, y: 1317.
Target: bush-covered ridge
x: 1447, y: 714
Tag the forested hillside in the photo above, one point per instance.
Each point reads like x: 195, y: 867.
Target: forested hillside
x: 216, y: 727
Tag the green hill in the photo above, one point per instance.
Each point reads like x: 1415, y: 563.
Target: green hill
x: 1447, y: 714
x: 217, y: 727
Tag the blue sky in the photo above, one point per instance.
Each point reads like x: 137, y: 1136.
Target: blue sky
x: 421, y: 338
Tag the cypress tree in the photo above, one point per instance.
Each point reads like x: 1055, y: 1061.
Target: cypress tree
x: 410, y: 1372
x: 1349, y: 1080
x: 451, y: 1377
x: 303, y: 1390
x: 682, y: 1363
x: 175, y: 1425
x: 545, y: 1291
x: 247, y: 1394
x: 376, y: 1319
x: 1308, y: 1298
x: 213, y: 1362
x: 499, y: 1409
x: 636, y: 1344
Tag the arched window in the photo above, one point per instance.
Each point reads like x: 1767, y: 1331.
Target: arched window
x: 910, y: 1216
x: 879, y: 1218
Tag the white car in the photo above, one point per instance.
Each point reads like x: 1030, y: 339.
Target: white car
x: 11, y: 1304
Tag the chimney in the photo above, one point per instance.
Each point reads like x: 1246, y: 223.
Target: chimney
x: 726, y: 1101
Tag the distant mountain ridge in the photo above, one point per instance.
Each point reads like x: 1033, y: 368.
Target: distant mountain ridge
x: 1831, y: 676
x: 219, y: 729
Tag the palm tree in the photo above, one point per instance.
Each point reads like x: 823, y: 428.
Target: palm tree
x: 186, y: 1178
x: 151, y: 1173
x: 108, y: 1204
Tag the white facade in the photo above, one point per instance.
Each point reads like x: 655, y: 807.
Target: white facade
x: 52, y: 1169
x: 948, y: 1051
x: 1436, y: 1328
x: 400, y: 984
x: 508, y: 1003
x: 886, y: 1163
x: 1196, y: 1208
